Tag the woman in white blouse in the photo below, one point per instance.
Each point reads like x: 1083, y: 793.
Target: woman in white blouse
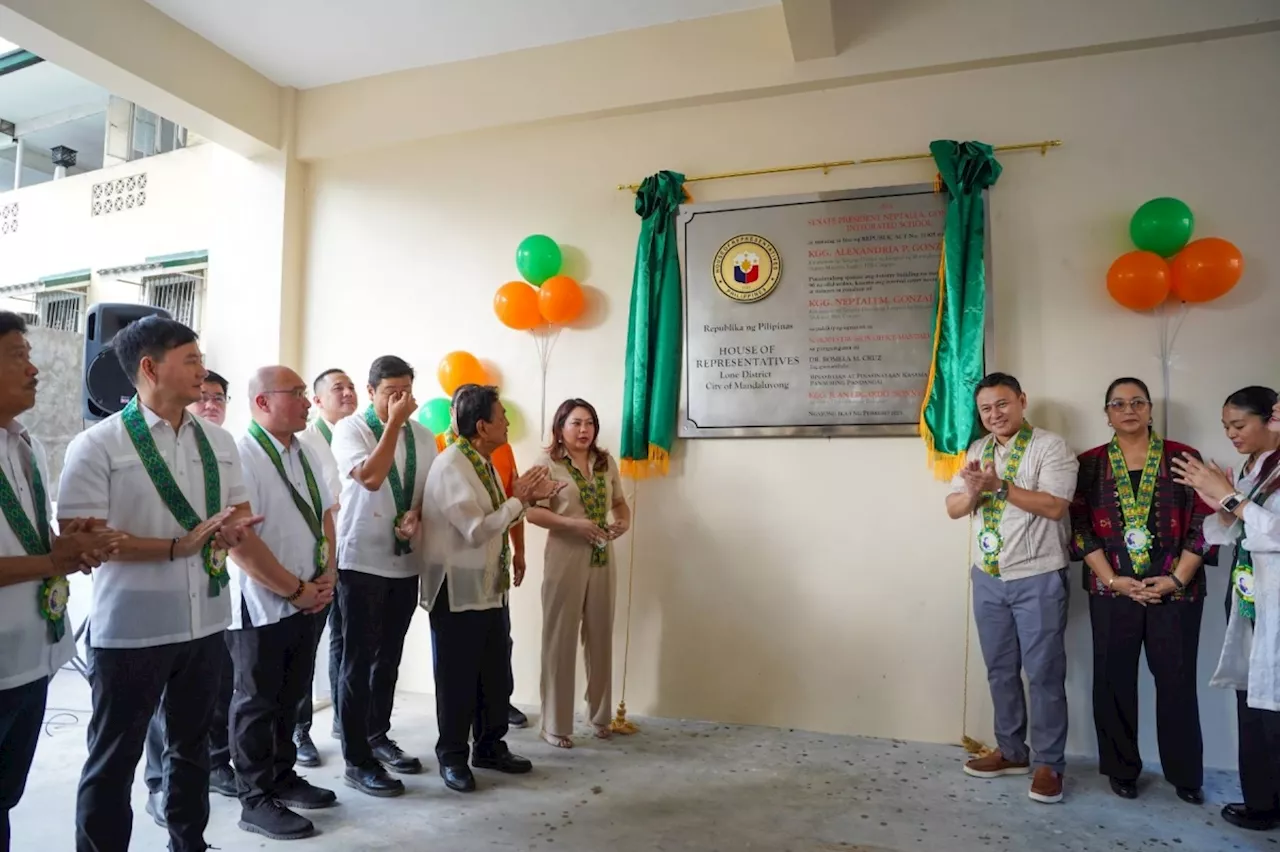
x: 578, y: 570
x: 1248, y: 518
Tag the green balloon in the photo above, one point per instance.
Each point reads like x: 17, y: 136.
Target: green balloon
x: 538, y: 258
x: 434, y: 414
x: 1162, y: 225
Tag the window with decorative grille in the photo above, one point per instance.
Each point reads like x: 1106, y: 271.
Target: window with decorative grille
x: 62, y: 310
x: 179, y: 293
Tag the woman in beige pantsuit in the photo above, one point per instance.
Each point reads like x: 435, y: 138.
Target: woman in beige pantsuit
x: 578, y: 575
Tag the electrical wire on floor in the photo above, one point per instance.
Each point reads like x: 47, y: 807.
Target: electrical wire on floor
x: 58, y: 719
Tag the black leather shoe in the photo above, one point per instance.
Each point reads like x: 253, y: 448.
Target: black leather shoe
x: 373, y: 780
x: 1191, y: 795
x: 458, y: 778
x: 155, y: 808
x: 308, y: 754
x: 303, y: 795
x: 515, y: 718
x: 274, y: 820
x: 1242, y: 816
x: 222, y: 780
x: 1124, y: 789
x: 389, y: 755
x: 512, y: 764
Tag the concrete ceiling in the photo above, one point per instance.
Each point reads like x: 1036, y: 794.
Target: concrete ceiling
x: 308, y: 43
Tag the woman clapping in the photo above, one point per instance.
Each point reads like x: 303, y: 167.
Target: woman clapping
x: 1248, y: 517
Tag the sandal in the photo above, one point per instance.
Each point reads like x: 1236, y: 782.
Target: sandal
x: 558, y: 742
x: 603, y: 732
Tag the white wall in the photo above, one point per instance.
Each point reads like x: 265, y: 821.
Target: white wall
x: 200, y: 198
x: 811, y: 583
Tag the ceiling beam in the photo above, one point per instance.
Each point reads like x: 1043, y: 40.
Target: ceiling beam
x: 136, y: 52
x: 62, y: 116
x: 811, y: 28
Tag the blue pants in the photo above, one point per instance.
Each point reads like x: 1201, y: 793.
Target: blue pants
x: 21, y: 717
x: 1022, y: 624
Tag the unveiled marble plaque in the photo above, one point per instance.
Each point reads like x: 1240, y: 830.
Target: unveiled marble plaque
x: 810, y: 315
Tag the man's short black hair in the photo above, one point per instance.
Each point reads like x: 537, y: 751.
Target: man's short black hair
x: 389, y: 367
x: 998, y: 380
x: 150, y: 337
x: 472, y: 406
x: 216, y: 379
x: 315, y: 386
x: 9, y: 321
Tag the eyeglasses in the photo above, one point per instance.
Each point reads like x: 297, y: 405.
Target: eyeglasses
x: 220, y: 399
x: 296, y: 393
x: 1136, y: 404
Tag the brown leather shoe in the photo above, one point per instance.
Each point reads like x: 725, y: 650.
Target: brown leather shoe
x: 1046, y: 786
x: 994, y: 765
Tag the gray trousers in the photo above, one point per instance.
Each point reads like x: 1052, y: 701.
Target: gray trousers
x: 1022, y: 624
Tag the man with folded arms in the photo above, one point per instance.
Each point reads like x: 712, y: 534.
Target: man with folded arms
x: 335, y: 397
x: 281, y: 578
x: 35, y: 639
x: 171, y: 483
x: 468, y: 575
x: 383, y: 457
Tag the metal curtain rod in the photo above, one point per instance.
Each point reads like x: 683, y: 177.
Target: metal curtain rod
x: 1043, y: 147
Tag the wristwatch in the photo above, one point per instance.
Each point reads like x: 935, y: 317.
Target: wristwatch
x: 1002, y: 493
x: 1232, y: 501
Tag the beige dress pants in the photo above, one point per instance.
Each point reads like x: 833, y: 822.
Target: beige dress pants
x: 576, y: 596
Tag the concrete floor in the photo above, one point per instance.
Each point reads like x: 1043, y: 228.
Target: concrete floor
x: 676, y: 786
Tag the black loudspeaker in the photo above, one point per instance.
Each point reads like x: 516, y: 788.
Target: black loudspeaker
x: 106, y: 388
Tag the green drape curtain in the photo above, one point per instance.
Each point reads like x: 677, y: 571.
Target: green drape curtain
x: 653, y: 333
x: 949, y: 420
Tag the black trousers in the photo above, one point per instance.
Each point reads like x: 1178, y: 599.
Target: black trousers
x: 127, y: 685
x: 1171, y: 633
x: 219, y: 731
x: 1259, y: 756
x: 305, y: 709
x: 376, y: 612
x: 473, y: 680
x: 21, y: 718
x: 274, y: 665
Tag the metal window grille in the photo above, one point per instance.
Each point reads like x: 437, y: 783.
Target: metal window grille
x: 62, y: 310
x: 178, y: 293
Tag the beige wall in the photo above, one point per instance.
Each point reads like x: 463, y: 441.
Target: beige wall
x: 810, y: 583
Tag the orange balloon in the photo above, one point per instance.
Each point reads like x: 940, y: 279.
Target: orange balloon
x: 458, y: 369
x: 1139, y: 280
x: 1206, y: 269
x: 560, y: 299
x: 516, y: 304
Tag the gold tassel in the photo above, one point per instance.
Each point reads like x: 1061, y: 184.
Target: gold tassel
x: 937, y: 182
x: 974, y: 747
x: 657, y: 464
x: 620, y: 723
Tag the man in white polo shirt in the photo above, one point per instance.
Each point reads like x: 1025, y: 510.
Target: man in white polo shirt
x: 383, y: 457
x: 35, y: 637
x: 212, y: 407
x: 281, y: 578
x: 1016, y: 487
x: 171, y: 483
x: 335, y: 398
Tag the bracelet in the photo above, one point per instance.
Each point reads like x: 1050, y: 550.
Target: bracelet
x: 297, y: 593
x: 1182, y: 587
x: 1112, y: 582
x: 172, y: 545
